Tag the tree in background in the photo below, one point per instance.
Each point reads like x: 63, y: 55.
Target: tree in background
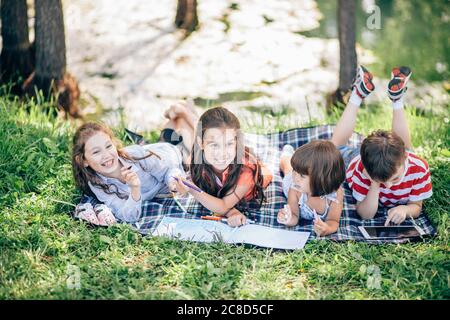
x: 17, y: 56
x: 186, y: 17
x: 347, y: 43
x: 50, y: 75
x: 347, y: 50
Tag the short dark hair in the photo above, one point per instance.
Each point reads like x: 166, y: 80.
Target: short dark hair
x: 382, y: 152
x: 323, y: 163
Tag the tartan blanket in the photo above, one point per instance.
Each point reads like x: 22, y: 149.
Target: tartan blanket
x: 268, y: 148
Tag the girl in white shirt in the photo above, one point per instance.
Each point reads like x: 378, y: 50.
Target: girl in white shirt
x: 122, y: 177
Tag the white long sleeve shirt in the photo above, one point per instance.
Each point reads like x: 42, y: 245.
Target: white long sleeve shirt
x: 154, y: 179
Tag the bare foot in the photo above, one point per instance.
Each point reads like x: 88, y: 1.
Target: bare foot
x: 285, y: 159
x: 175, y: 111
x: 191, y: 106
x: 285, y: 163
x: 180, y: 109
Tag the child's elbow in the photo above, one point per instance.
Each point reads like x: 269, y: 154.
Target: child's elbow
x: 365, y: 215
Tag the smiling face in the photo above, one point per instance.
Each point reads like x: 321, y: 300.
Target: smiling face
x: 100, y: 154
x: 219, y: 147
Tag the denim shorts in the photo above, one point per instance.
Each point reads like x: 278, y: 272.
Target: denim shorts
x: 348, y: 153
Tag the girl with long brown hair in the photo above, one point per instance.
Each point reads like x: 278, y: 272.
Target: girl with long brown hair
x: 224, y: 172
x: 122, y: 177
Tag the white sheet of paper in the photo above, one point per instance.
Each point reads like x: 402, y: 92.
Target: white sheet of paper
x: 210, y: 231
x: 270, y: 237
x: 192, y: 230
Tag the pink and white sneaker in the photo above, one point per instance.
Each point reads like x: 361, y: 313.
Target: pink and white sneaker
x: 104, y: 215
x: 85, y: 211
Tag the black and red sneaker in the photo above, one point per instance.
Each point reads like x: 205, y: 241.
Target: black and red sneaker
x: 397, y: 86
x: 363, y: 82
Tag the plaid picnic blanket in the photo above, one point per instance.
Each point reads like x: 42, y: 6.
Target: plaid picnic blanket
x: 268, y: 148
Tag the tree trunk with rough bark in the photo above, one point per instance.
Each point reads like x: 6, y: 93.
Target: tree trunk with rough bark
x: 347, y: 43
x: 347, y: 53
x: 186, y: 17
x: 50, y: 75
x: 17, y: 56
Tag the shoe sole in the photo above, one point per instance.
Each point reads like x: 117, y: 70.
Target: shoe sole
x: 362, y: 71
x: 404, y: 80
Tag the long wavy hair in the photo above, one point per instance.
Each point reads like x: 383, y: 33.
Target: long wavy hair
x: 82, y: 174
x: 203, y: 174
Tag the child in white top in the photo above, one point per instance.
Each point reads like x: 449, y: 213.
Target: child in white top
x: 122, y: 177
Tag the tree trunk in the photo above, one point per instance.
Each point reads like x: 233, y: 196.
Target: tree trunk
x: 17, y: 58
x: 50, y: 75
x: 347, y: 54
x: 50, y: 43
x: 186, y: 17
x: 347, y: 43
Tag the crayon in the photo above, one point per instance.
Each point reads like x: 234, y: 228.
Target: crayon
x: 187, y: 184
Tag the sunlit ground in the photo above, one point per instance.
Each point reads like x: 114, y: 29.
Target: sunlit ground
x: 246, y: 55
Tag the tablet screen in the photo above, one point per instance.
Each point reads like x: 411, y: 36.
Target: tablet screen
x: 392, y: 232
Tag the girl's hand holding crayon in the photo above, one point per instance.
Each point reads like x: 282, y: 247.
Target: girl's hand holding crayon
x: 285, y: 215
x: 178, y: 186
x: 320, y: 227
x: 235, y: 218
x: 184, y: 186
x: 130, y: 177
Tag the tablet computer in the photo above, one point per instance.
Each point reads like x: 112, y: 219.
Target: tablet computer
x: 391, y: 232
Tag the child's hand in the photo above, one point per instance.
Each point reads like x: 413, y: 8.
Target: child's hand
x: 178, y: 186
x: 372, y: 182
x: 172, y: 184
x: 130, y: 177
x: 235, y: 218
x: 397, y: 215
x: 320, y: 227
x: 284, y: 215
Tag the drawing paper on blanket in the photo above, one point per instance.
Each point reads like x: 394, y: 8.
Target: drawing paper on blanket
x: 211, y: 231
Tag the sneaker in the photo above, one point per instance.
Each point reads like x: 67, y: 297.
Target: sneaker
x: 363, y: 82
x: 85, y: 211
x: 104, y: 215
x: 134, y: 137
x: 397, y: 86
x: 170, y: 136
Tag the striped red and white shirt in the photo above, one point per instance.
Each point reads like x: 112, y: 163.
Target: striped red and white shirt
x: 414, y: 186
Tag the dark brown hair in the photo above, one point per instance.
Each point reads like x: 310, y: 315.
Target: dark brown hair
x: 382, y: 152
x: 202, y: 173
x: 323, y: 163
x: 82, y: 175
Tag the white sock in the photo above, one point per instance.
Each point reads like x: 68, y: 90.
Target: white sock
x: 398, y: 104
x: 355, y: 98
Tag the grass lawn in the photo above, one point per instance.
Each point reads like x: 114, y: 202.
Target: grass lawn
x: 40, y: 245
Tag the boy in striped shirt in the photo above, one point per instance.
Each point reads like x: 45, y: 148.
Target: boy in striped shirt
x: 384, y: 170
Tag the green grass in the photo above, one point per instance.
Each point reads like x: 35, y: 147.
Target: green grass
x: 39, y: 242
